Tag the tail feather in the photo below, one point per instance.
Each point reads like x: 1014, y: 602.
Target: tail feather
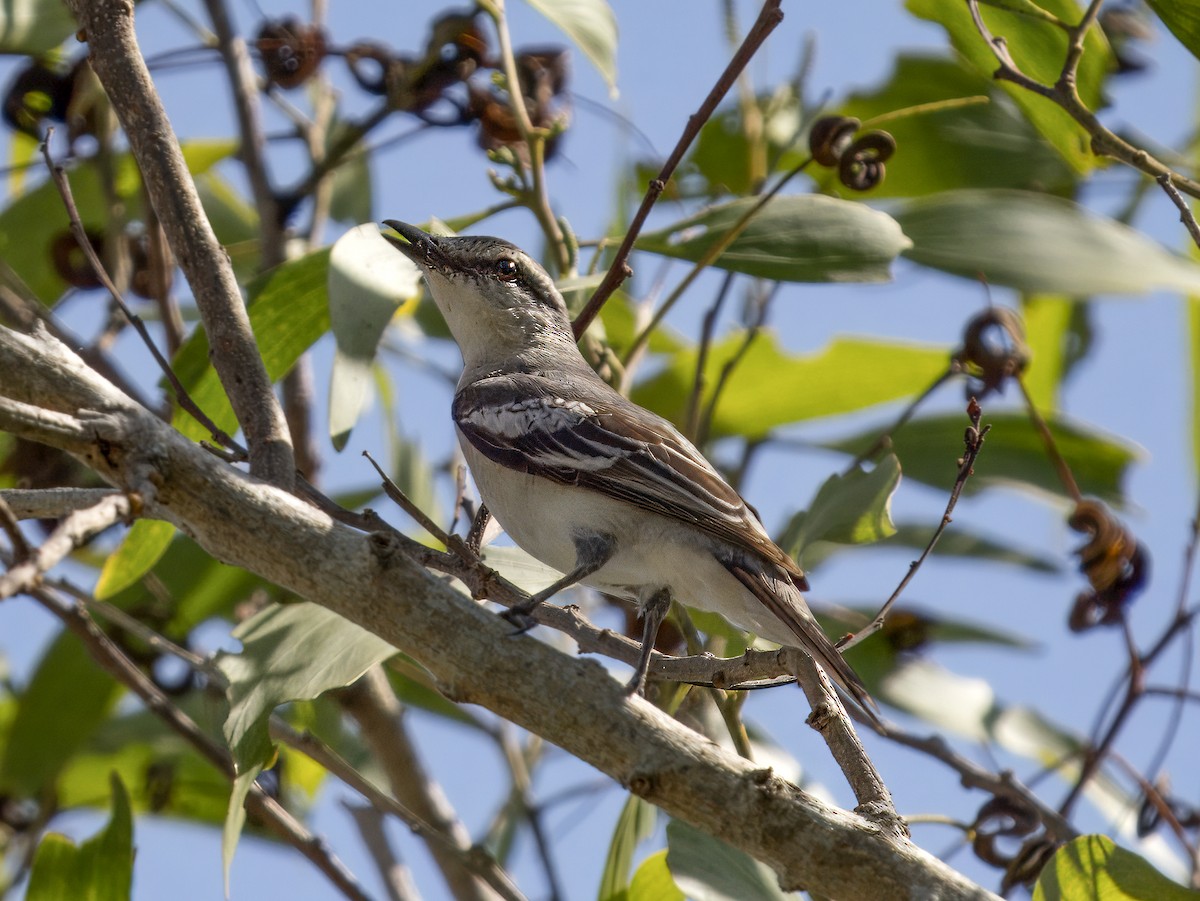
x: 793, y: 612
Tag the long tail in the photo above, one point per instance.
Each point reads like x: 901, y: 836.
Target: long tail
x: 786, y: 604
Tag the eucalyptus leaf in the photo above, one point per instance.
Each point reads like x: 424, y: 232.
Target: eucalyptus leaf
x: 984, y: 143
x: 634, y: 825
x: 100, y: 869
x: 793, y: 238
x: 369, y: 281
x: 707, y: 869
x: 1013, y: 454
x: 1182, y: 18
x: 652, y: 881
x: 1037, y: 243
x: 1093, y: 866
x: 143, y: 546
x: 853, y: 374
x: 34, y: 27
x: 592, y: 26
x: 1039, y: 48
x: 849, y: 508
x: 289, y: 311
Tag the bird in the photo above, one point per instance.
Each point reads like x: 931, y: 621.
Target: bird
x: 595, y: 486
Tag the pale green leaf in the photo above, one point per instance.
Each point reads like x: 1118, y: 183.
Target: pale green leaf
x: 34, y: 27
x: 634, y: 825
x: 1039, y: 48
x: 1013, y: 454
x: 100, y: 869
x: 794, y: 238
x: 289, y: 652
x: 1094, y: 867
x: 143, y: 546
x: 850, y: 508
x: 707, y: 869
x: 65, y: 701
x: 1037, y: 243
x: 853, y: 374
x: 652, y: 881
x: 289, y: 310
x: 1182, y: 17
x: 592, y: 26
x: 369, y: 281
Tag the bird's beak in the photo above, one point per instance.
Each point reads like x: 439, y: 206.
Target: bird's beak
x: 415, y: 244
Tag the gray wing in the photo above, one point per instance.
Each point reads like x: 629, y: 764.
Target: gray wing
x: 579, y: 433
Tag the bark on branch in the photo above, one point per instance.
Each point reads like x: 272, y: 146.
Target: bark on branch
x: 50, y: 395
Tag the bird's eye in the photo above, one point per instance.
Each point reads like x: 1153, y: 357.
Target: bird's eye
x: 506, y: 269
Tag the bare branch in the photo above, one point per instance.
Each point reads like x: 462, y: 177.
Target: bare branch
x: 117, y: 60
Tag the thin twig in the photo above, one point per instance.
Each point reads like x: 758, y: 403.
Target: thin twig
x: 768, y: 18
x: 1186, y: 216
x: 1043, y: 429
x: 973, y: 442
x: 62, y: 182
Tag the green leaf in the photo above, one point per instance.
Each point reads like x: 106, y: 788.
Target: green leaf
x: 854, y: 374
x: 707, y: 869
x: 1093, y: 866
x: 1049, y: 334
x: 34, y: 27
x: 794, y: 238
x: 235, y: 223
x: 634, y: 825
x: 369, y: 282
x: 850, y: 508
x: 1039, y: 49
x: 980, y: 145
x: 1013, y: 453
x: 590, y: 24
x: 653, y: 882
x: 722, y: 156
x: 289, y: 652
x: 1182, y: 17
x: 66, y: 700
x: 143, y: 546
x: 351, y: 190
x: 957, y: 541
x: 101, y: 869
x: 1039, y: 244
x: 289, y: 311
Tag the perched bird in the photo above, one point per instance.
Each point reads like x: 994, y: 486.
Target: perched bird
x: 587, y: 481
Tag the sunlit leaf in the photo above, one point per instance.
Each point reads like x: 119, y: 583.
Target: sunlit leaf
x: 634, y: 825
x: 1013, y: 453
x: 976, y: 145
x: 652, y: 881
x: 592, y: 26
x: 1049, y: 330
x: 707, y: 869
x: 850, y: 508
x: 1039, y: 244
x: 1182, y: 17
x: 853, y: 374
x: 1093, y: 866
x: 289, y: 652
x: 34, y: 27
x: 66, y: 700
x: 1039, y: 48
x: 794, y: 238
x: 369, y: 281
x: 289, y: 310
x: 100, y: 869
x: 143, y: 546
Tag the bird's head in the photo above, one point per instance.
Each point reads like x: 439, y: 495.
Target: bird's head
x: 498, y: 302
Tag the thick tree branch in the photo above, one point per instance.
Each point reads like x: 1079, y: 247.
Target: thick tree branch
x: 117, y: 59
x: 470, y: 653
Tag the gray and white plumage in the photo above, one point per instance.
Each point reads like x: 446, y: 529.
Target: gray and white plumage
x: 559, y: 458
